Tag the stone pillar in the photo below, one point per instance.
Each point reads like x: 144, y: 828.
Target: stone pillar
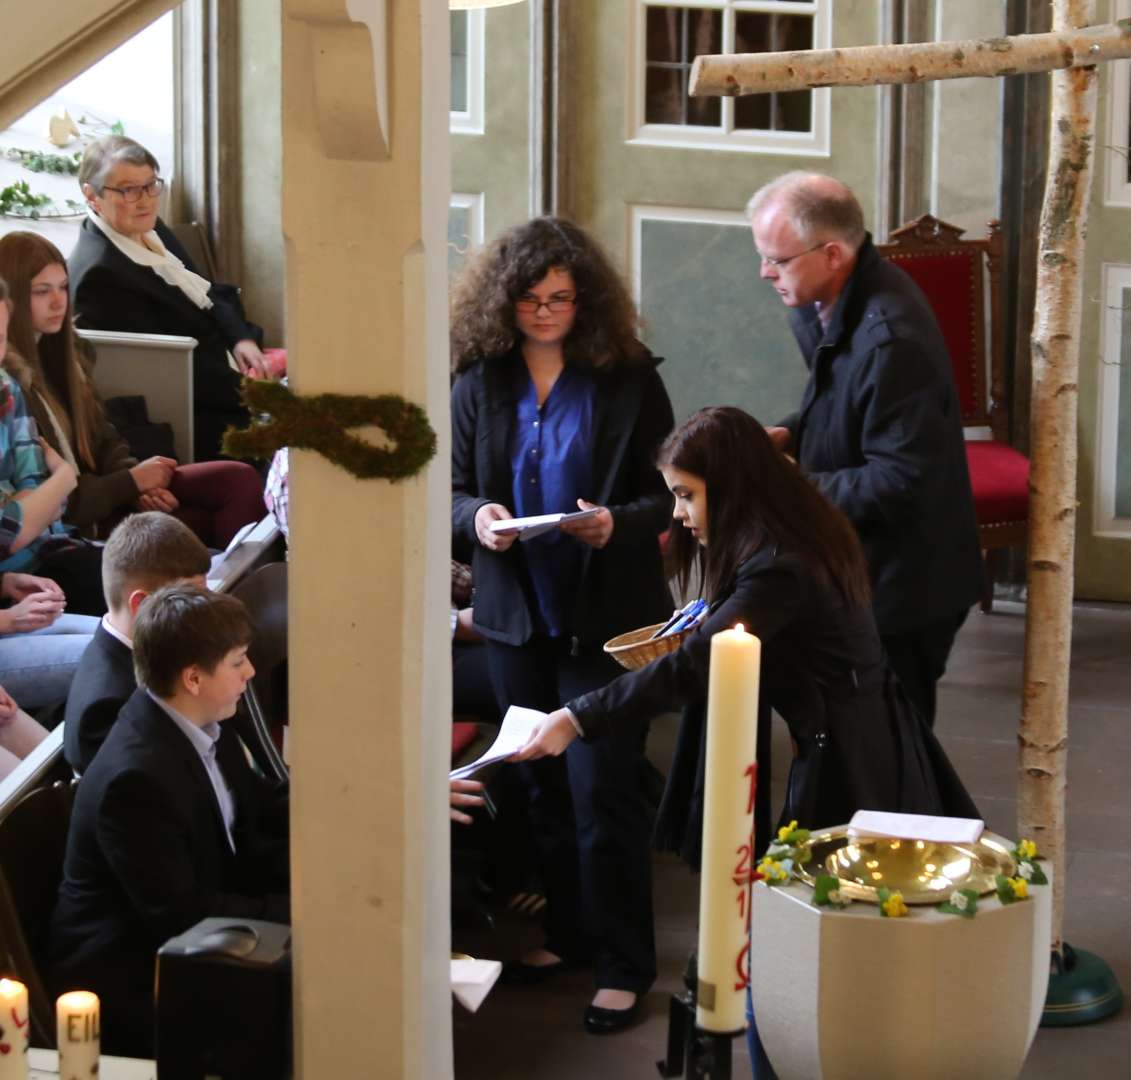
x: 365, y: 190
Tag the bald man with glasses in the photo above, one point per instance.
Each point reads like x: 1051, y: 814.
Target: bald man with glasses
x: 879, y: 427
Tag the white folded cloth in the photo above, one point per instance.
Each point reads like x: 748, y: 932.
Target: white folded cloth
x: 943, y: 830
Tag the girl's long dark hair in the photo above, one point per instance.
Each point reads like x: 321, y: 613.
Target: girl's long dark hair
x: 50, y: 367
x: 483, y: 322
x: 756, y: 496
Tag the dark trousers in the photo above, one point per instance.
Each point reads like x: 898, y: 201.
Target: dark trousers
x: 588, y: 818
x: 918, y: 657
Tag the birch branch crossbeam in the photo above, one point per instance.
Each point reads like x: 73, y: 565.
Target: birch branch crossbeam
x: 736, y: 74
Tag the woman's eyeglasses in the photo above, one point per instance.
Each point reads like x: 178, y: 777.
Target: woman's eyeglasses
x: 557, y: 304
x: 133, y: 192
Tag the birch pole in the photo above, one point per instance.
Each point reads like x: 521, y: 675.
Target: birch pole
x: 1055, y: 342
x: 873, y: 65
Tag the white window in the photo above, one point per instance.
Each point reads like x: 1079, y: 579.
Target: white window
x: 1118, y: 187
x: 467, y: 72
x: 1112, y: 516
x: 666, y: 38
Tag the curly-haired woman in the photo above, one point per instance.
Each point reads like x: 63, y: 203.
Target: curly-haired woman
x: 557, y: 406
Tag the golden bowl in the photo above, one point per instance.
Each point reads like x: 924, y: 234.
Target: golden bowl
x: 924, y: 871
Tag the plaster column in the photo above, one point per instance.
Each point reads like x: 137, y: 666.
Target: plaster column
x: 365, y: 189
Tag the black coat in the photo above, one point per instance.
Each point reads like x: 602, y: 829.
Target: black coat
x: 622, y: 585
x: 147, y: 857
x: 103, y: 683
x: 111, y: 292
x: 860, y: 743
x: 880, y: 431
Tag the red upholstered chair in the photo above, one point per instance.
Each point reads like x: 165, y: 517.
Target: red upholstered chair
x: 959, y: 278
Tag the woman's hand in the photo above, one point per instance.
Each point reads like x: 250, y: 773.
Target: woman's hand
x: 493, y: 541
x: 9, y: 710
x: 158, y: 499
x: 154, y: 472
x: 550, y: 738
x: 594, y: 531
x: 250, y: 359
x: 464, y: 793
x: 52, y: 458
x: 781, y: 437
x: 33, y: 612
x: 16, y: 587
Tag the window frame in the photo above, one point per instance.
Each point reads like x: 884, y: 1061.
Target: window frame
x: 1117, y: 189
x: 1105, y: 522
x: 472, y: 120
x: 813, y: 143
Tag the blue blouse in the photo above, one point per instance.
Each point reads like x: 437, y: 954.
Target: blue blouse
x: 551, y: 457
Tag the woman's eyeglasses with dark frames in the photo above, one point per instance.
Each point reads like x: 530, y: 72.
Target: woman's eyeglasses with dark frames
x: 556, y: 305
x: 133, y: 192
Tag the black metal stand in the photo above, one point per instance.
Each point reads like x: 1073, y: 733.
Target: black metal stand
x: 695, y: 1054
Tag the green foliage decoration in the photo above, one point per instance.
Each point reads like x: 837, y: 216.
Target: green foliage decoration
x: 36, y: 161
x: 322, y: 422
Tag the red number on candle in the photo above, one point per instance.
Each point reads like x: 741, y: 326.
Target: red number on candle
x: 742, y: 967
x: 742, y: 867
x: 752, y: 772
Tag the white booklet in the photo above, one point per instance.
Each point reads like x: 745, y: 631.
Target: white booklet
x: 943, y: 830
x: 518, y: 726
x: 530, y: 527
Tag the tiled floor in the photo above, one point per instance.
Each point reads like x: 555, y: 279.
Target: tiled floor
x: 537, y: 1034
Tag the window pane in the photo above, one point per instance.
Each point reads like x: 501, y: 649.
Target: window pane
x: 762, y: 32
x: 674, y: 36
x: 459, y: 61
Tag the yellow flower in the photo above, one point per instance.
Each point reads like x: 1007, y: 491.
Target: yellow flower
x: 894, y: 907
x: 1027, y: 849
x: 772, y: 870
x: 785, y: 830
x: 1020, y: 887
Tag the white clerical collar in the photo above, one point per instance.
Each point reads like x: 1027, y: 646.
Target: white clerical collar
x: 115, y: 633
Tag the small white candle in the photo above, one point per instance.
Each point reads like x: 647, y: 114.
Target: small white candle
x: 76, y: 1019
x: 728, y: 826
x: 13, y: 1030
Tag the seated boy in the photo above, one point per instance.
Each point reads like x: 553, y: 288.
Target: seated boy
x: 145, y: 552
x: 170, y: 824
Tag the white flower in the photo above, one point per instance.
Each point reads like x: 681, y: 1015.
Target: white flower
x: 776, y: 850
x: 959, y: 901
x: 833, y: 896
x: 1025, y: 870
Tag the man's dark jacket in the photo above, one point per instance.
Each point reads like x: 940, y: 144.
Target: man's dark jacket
x: 103, y: 683
x: 622, y: 585
x: 111, y: 292
x: 148, y: 857
x: 880, y: 432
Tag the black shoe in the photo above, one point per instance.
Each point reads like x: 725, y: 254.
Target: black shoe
x: 598, y: 1021
x: 516, y: 973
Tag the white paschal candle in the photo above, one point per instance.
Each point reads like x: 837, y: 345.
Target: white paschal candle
x: 77, y: 1032
x: 13, y: 1030
x: 728, y: 826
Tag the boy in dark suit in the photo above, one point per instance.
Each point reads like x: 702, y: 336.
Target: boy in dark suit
x: 144, y: 552
x: 170, y: 825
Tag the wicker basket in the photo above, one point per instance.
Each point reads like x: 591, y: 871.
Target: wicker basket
x: 637, y: 648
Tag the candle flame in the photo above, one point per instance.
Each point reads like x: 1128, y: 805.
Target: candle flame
x: 739, y: 627
x: 8, y: 987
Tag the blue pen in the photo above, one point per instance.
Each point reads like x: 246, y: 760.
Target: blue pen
x: 689, y: 618
x: 676, y: 616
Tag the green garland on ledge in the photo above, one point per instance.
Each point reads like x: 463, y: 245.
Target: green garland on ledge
x: 322, y: 421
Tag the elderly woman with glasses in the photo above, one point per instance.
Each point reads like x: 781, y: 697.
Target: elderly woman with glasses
x: 558, y: 407
x: 128, y: 272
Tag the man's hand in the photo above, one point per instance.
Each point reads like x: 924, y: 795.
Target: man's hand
x: 493, y: 541
x: 33, y: 612
x: 249, y: 359
x: 549, y: 739
x: 594, y: 531
x: 16, y: 587
x: 781, y: 438
x: 464, y: 793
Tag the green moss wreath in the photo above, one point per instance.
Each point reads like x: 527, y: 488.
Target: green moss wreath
x: 322, y: 421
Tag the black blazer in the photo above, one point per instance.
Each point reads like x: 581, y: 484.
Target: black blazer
x: 622, y: 585
x: 824, y: 672
x: 880, y: 432
x: 103, y: 683
x: 110, y: 292
x: 147, y: 856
